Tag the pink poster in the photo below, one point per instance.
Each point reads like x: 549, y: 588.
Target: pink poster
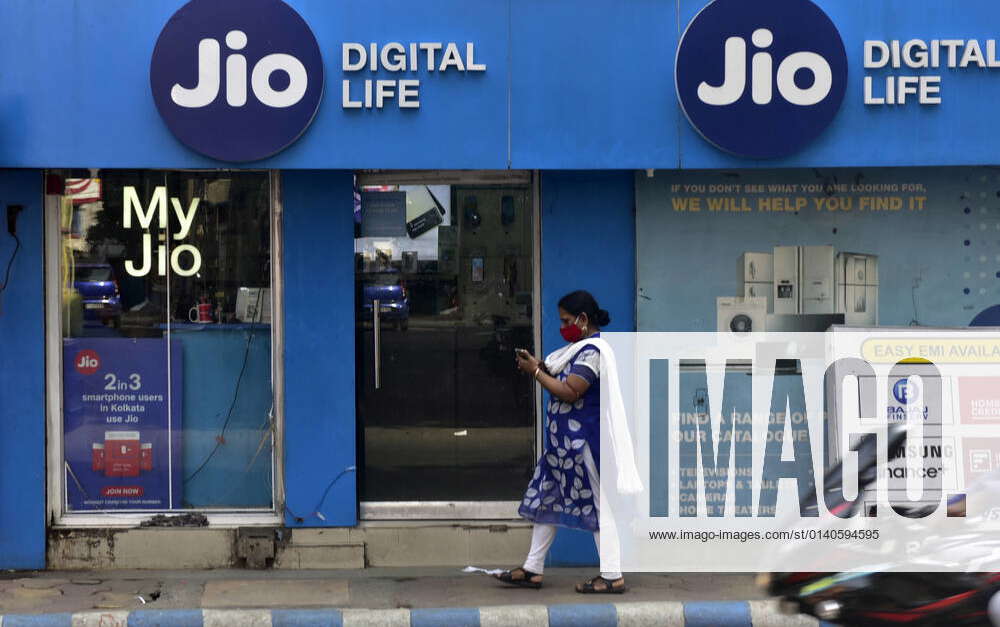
x: 979, y: 400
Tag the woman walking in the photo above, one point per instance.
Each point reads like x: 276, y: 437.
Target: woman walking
x: 565, y: 489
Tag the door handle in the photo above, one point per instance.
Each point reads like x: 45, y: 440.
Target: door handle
x: 377, y: 336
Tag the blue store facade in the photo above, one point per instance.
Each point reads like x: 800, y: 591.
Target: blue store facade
x: 269, y: 260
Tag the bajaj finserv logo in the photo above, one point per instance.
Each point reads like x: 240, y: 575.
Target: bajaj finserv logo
x: 761, y: 79
x: 906, y: 391
x: 237, y: 80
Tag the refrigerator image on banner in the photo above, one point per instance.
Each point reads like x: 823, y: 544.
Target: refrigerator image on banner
x: 803, y: 289
x: 816, y: 270
x: 786, y: 280
x: 804, y: 280
x: 756, y: 277
x: 857, y: 289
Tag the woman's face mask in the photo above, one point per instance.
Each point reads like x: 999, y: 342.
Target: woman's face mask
x: 572, y: 332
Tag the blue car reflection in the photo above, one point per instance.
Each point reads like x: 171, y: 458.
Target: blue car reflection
x: 99, y: 291
x: 394, y: 302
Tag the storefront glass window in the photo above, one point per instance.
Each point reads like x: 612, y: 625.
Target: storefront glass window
x: 166, y: 339
x: 443, y: 293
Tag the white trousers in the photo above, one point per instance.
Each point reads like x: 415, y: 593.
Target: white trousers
x: 543, y: 535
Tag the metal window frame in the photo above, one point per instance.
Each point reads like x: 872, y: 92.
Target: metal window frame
x: 536, y: 193
x: 56, y: 514
x: 373, y: 511
x: 53, y: 357
x: 517, y: 178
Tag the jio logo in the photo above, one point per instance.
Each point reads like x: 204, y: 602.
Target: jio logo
x: 761, y: 79
x: 237, y: 80
x: 87, y: 362
x: 906, y: 391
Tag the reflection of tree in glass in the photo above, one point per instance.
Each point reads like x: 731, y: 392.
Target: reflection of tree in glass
x: 108, y: 229
x: 231, y: 229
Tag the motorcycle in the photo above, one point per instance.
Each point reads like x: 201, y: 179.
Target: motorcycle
x: 882, y: 596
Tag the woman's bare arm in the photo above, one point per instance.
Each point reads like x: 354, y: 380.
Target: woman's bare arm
x: 568, y: 391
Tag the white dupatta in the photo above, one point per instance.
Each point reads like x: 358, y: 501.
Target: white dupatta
x: 612, y: 414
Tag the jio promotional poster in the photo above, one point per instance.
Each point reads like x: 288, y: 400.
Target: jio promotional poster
x: 122, y: 428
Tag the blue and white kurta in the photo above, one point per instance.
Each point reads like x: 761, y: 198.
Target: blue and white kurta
x: 560, y: 493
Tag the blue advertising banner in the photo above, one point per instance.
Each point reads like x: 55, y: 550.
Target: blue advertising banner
x: 122, y: 426
x: 497, y: 85
x: 879, y: 247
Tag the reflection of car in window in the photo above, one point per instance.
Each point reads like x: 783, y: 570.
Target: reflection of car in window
x: 394, y: 302
x: 98, y: 288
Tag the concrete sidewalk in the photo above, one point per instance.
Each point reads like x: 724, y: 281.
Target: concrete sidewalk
x: 373, y: 596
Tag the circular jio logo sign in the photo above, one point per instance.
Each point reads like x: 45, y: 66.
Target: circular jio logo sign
x: 906, y: 391
x: 86, y: 362
x: 237, y: 80
x: 761, y: 79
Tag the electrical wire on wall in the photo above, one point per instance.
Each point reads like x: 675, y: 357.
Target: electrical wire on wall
x: 10, y: 262
x: 318, y: 510
x: 12, y: 211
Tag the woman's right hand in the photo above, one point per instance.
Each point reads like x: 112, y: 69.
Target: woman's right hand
x: 526, y: 362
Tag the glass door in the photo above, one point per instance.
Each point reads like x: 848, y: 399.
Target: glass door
x: 443, y: 283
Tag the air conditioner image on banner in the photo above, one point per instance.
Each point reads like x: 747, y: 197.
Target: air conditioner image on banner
x: 806, y: 288
x: 741, y: 315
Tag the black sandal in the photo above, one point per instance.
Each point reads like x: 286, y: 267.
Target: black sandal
x: 523, y: 579
x: 608, y: 587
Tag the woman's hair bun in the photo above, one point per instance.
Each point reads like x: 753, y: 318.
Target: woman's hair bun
x: 582, y: 302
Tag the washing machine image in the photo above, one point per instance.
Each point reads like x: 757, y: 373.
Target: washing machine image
x: 741, y: 315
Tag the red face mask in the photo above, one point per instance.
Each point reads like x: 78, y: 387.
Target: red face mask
x: 572, y: 332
